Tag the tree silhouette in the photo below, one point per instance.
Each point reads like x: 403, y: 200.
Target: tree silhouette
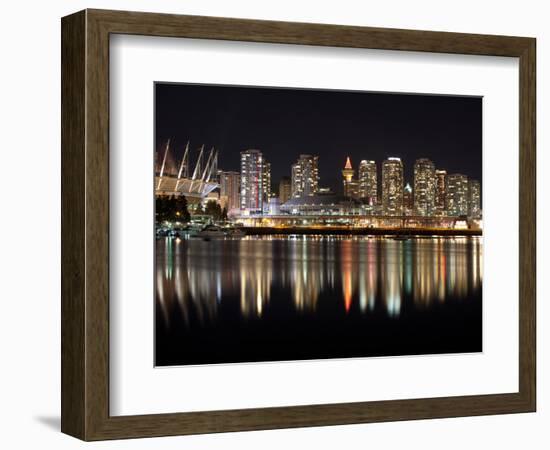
x: 171, y: 209
x: 213, y: 210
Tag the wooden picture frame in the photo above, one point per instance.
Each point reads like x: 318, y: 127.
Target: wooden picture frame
x: 85, y: 224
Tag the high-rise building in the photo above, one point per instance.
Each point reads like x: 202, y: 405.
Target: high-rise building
x: 457, y: 195
x: 252, y: 182
x: 352, y: 189
x: 408, y: 200
x: 351, y: 185
x: 305, y: 176
x: 348, y: 173
x: 230, y: 189
x: 424, y: 187
x: 285, y: 189
x: 296, y: 180
x: 368, y: 187
x: 392, y: 187
x: 474, y: 199
x: 266, y: 181
x: 440, y: 192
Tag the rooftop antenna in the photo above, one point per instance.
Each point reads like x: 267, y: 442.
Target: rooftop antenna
x: 207, y: 164
x: 183, y: 163
x: 213, y: 166
x: 163, y: 164
x: 197, y: 169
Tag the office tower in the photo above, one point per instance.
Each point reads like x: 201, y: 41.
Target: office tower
x: 424, y: 187
x: 285, y: 189
x: 457, y: 195
x: 296, y: 180
x: 368, y: 187
x: 408, y: 200
x: 474, y: 199
x: 305, y: 176
x: 251, y: 181
x: 440, y: 192
x: 392, y: 187
x: 230, y: 189
x: 266, y: 181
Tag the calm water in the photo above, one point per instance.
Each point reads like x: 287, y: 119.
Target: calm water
x: 287, y: 298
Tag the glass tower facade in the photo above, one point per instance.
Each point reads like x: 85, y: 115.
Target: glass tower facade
x: 474, y: 199
x: 440, y: 192
x: 230, y: 189
x: 424, y: 187
x: 368, y: 187
x: 266, y: 181
x: 392, y: 187
x: 457, y: 195
x: 305, y: 176
x: 252, y: 190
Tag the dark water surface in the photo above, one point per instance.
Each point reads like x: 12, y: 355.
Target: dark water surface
x: 305, y: 297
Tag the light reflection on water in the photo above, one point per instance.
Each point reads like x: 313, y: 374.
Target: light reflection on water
x: 361, y: 273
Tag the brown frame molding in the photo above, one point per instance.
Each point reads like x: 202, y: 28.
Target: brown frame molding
x: 85, y: 224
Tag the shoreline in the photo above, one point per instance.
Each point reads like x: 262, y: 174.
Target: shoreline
x: 251, y: 231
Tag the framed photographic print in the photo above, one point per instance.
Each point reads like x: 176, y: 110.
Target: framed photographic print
x: 270, y: 224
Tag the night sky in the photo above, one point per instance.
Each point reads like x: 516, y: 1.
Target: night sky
x: 283, y: 123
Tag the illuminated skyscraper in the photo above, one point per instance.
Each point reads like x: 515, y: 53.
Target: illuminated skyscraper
x: 457, y: 195
x: 424, y: 187
x: 392, y: 187
x: 296, y: 180
x: 285, y: 189
x: 351, y: 186
x: 305, y: 176
x: 474, y: 199
x: 347, y: 173
x: 251, y: 181
x: 408, y: 200
x: 368, y: 187
x: 266, y: 181
x: 230, y: 189
x: 440, y: 192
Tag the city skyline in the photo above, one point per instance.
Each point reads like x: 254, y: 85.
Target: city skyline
x: 284, y: 123
x: 350, y: 220
x: 435, y: 192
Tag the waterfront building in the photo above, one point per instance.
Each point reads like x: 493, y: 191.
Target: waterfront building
x: 285, y: 189
x: 474, y: 199
x: 195, y: 182
x: 457, y: 195
x: 322, y: 204
x: 368, y: 187
x: 351, y: 189
x: 408, y: 200
x: 440, y: 192
x: 305, y: 176
x: 252, y: 174
x: 392, y: 187
x: 424, y: 187
x: 230, y: 190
